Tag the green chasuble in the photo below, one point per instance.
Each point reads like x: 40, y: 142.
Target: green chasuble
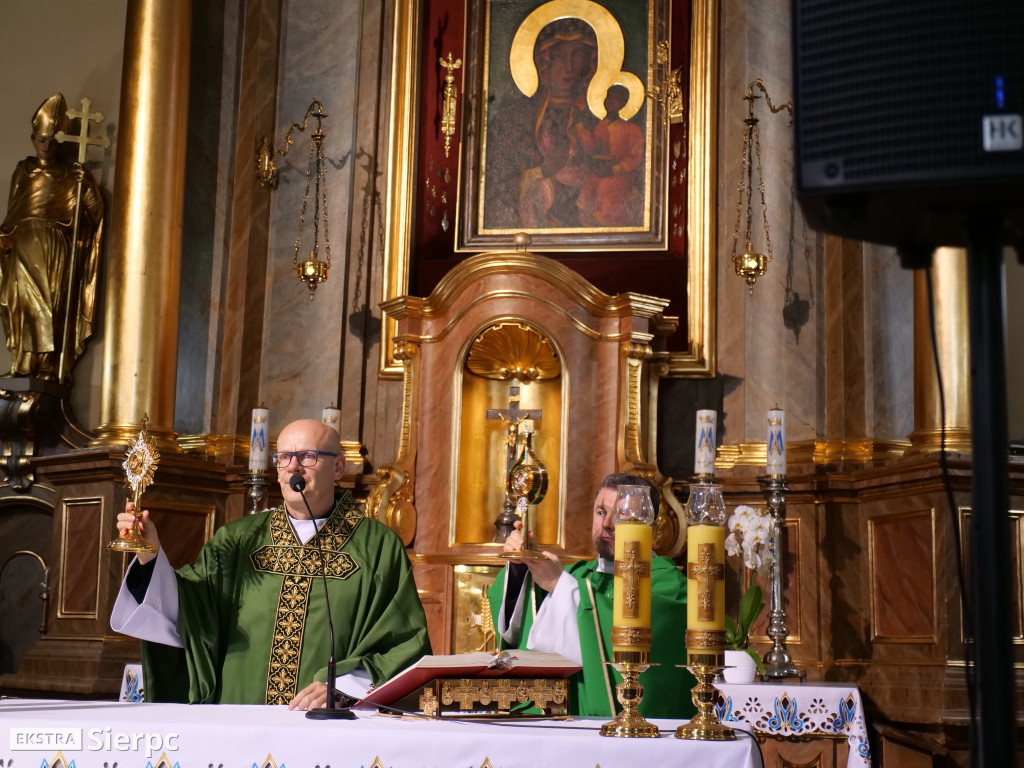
x: 666, y: 686
x: 252, y: 616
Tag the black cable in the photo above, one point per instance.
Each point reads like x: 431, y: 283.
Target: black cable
x: 967, y: 620
x: 750, y: 735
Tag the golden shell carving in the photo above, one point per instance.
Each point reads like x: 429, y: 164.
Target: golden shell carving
x: 513, y: 350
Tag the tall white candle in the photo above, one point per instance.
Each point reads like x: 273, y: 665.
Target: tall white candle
x: 776, y: 442
x: 332, y: 417
x: 258, y: 439
x: 704, y: 452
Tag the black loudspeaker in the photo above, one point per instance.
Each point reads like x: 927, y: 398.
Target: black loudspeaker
x: 908, y: 118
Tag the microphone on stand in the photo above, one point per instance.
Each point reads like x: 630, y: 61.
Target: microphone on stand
x: 331, y: 711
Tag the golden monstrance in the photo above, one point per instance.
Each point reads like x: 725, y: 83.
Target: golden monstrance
x: 139, y: 467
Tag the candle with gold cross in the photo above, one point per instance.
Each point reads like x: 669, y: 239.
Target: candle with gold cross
x: 633, y: 514
x: 705, y: 567
x: 631, y: 617
x: 705, y: 574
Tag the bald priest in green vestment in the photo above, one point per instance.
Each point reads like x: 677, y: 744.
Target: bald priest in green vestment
x: 545, y: 607
x: 247, y: 623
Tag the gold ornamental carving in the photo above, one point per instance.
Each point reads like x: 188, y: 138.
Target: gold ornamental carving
x: 498, y: 695
x: 637, y: 636
x: 428, y: 702
x: 513, y: 350
x: 391, y: 502
x: 705, y: 639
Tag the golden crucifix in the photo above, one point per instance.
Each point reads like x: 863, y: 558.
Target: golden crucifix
x: 706, y: 571
x: 525, y: 477
x: 513, y: 417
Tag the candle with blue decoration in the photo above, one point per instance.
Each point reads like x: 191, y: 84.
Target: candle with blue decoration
x: 258, y: 439
x: 704, y: 449
x: 776, y: 461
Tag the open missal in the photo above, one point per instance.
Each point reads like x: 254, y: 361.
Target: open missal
x: 513, y: 664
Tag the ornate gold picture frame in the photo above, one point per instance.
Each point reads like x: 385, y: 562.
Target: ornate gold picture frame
x: 560, y: 136
x: 698, y: 359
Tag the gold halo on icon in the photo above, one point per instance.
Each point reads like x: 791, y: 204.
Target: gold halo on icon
x: 611, y: 47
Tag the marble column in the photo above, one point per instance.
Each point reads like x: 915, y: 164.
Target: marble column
x: 949, y: 284
x: 143, y: 280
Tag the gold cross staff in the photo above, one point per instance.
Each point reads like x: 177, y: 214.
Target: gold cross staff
x: 82, y: 139
x: 706, y: 571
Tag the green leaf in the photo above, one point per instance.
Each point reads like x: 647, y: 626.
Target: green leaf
x: 732, y: 633
x: 737, y: 633
x: 751, y: 605
x: 757, y: 659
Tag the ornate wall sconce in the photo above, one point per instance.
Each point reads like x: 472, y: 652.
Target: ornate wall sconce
x: 450, y: 100
x: 313, y: 270
x: 750, y: 264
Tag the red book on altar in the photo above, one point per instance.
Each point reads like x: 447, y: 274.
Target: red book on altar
x: 519, y: 664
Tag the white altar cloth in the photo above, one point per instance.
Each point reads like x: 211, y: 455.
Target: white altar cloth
x: 792, y: 708
x: 40, y: 733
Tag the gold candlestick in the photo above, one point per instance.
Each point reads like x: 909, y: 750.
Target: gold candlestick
x: 139, y: 466
x: 630, y: 664
x: 705, y: 725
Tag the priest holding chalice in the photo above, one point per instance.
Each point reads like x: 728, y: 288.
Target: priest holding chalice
x: 540, y: 605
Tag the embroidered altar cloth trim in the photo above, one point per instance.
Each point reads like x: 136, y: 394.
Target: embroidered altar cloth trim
x: 799, y: 709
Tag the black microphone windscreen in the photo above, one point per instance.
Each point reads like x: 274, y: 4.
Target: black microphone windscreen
x: 298, y: 483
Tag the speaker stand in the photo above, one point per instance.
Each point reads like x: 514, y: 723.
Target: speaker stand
x: 994, y: 730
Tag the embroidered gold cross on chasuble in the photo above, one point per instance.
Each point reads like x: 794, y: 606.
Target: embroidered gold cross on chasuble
x: 300, y: 565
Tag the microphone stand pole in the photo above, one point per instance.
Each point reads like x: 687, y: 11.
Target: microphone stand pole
x: 330, y: 710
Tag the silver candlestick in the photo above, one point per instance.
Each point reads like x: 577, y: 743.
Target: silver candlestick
x: 778, y: 664
x: 256, y: 485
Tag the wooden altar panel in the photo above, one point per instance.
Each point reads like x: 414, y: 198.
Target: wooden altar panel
x: 804, y: 753
x: 902, y: 560
x: 80, y: 553
x: 1016, y: 524
x: 192, y: 526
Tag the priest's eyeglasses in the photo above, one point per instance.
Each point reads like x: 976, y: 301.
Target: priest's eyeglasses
x: 282, y: 459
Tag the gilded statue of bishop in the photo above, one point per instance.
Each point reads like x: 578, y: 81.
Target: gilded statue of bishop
x: 49, y: 253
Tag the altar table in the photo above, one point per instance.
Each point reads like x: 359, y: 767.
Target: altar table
x: 793, y: 709
x: 38, y: 733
